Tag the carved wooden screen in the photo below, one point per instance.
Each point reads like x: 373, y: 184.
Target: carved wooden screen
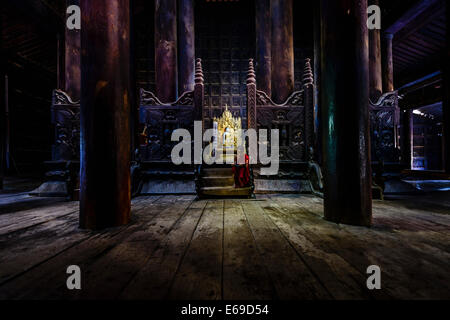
x: 66, y: 120
x: 289, y: 119
x: 160, y: 120
x: 225, y: 42
x: 293, y: 118
x: 384, y: 120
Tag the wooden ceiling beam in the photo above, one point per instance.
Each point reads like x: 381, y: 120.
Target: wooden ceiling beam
x: 410, y: 16
x: 429, y: 14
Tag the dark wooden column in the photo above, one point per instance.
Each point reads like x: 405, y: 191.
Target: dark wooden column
x: 2, y: 107
x: 73, y: 59
x: 407, y: 138
x: 282, y: 50
x: 446, y: 95
x: 105, y: 114
x: 388, y: 64
x: 186, y: 46
x: 263, y: 46
x: 166, y: 49
x: 345, y: 112
x: 376, y: 80
x: 317, y: 67
x: 60, y: 56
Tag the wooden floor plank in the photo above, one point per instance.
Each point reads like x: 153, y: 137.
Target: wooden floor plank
x: 153, y: 281
x: 342, y: 280
x: 278, y: 246
x: 25, y: 219
x: 244, y: 274
x: 120, y: 264
x: 49, y: 276
x: 200, y: 274
x: 291, y: 277
x: 19, y: 243
x: 362, y: 247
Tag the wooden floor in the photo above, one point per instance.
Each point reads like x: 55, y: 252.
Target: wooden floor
x: 273, y: 247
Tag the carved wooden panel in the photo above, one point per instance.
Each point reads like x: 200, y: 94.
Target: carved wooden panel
x: 66, y: 120
x: 290, y: 121
x: 384, y: 120
x: 159, y: 122
x: 225, y: 45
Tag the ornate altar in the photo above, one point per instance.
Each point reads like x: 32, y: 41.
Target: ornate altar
x: 225, y: 178
x: 62, y: 171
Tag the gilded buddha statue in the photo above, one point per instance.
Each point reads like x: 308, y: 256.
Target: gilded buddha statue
x: 227, y: 129
x: 227, y: 126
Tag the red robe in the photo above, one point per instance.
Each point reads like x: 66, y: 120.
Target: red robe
x: 242, y: 174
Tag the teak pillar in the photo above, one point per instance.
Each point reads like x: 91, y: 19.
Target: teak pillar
x: 73, y: 60
x: 166, y: 49
x: 105, y: 109
x: 263, y: 46
x: 186, y: 45
x: 388, y: 64
x: 446, y: 95
x: 345, y: 112
x: 318, y: 123
x: 282, y: 50
x: 2, y: 108
x: 376, y: 79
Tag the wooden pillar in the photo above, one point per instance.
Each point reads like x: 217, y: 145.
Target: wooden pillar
x: 388, y: 64
x: 166, y: 49
x: 376, y: 80
x: 263, y: 46
x: 345, y: 112
x: 407, y: 138
x: 72, y: 60
x: 60, y: 57
x: 186, y: 46
x: 134, y: 95
x: 317, y: 67
x: 2, y: 107
x: 446, y: 94
x: 282, y: 50
x: 105, y: 114
x: 2, y: 131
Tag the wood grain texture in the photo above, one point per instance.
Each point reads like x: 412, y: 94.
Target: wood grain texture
x: 273, y: 247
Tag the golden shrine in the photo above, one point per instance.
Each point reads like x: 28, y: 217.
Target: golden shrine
x: 227, y: 127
